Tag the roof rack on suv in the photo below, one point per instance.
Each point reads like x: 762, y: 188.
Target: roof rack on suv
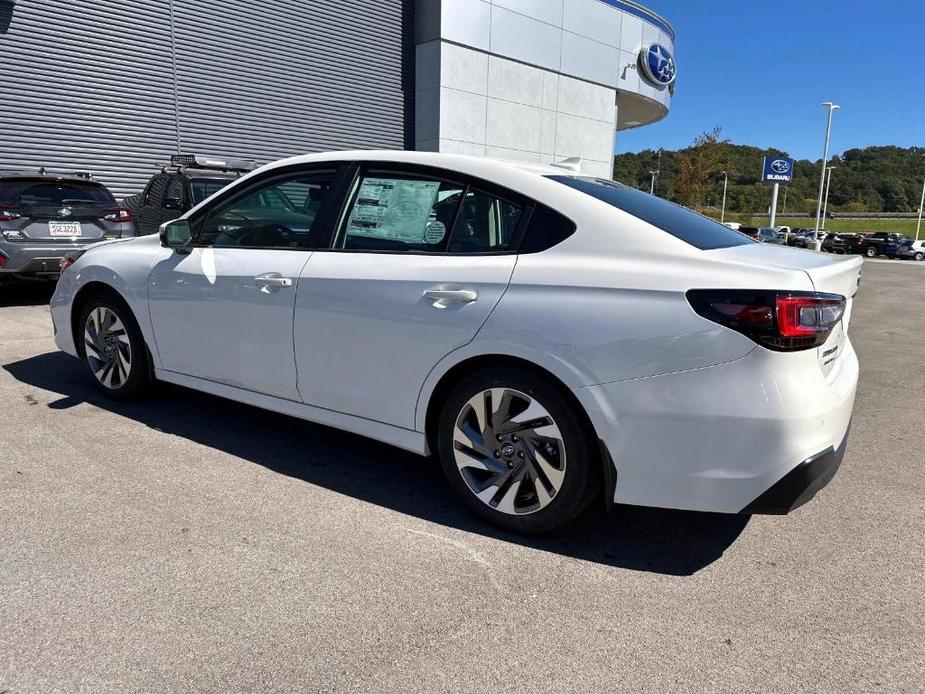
x: 201, y: 162
x: 45, y: 171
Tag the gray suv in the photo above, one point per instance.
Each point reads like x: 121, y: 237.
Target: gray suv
x: 45, y: 215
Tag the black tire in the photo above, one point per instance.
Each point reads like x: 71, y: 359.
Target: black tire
x: 582, y: 473
x: 138, y: 378
x: 919, y: 256
x: 871, y: 252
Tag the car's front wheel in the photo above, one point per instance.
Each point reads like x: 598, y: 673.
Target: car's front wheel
x: 516, y: 452
x: 871, y: 252
x: 112, y: 347
x: 919, y: 256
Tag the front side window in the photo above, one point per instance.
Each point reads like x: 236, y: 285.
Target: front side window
x: 682, y: 223
x: 277, y: 214
x: 398, y: 213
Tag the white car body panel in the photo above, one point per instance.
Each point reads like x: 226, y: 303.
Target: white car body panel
x: 368, y: 334
x: 214, y: 319
x: 694, y: 415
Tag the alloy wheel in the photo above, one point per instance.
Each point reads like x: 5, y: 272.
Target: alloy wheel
x: 107, y: 347
x: 509, y: 451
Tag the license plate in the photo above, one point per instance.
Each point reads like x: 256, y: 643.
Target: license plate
x: 64, y: 228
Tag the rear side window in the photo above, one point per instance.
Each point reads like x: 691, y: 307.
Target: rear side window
x: 418, y: 214
x: 47, y: 193
x: 682, y: 223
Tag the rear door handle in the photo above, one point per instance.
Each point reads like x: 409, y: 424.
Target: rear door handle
x: 271, y: 280
x: 444, y: 297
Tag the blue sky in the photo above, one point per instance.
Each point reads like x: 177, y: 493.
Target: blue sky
x: 760, y: 69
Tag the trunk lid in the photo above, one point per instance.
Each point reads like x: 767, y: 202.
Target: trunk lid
x: 828, y: 273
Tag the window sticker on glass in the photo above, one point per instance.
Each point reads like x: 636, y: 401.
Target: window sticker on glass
x: 434, y: 232
x: 395, y: 209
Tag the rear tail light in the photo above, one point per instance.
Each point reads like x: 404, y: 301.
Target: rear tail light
x: 2, y: 260
x: 119, y: 215
x: 69, y: 260
x: 8, y: 215
x: 778, y: 320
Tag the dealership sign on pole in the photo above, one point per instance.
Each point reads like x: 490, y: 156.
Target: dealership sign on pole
x: 776, y: 170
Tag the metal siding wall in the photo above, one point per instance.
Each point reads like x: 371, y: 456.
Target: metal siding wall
x: 282, y: 77
x: 86, y: 85
x: 90, y: 85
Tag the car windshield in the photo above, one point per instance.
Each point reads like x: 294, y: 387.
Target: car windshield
x: 43, y: 193
x: 204, y: 187
x: 682, y: 223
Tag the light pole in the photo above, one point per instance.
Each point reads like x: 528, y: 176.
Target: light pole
x: 722, y: 214
x: 652, y: 184
x: 825, y: 158
x: 828, y: 183
x: 918, y: 227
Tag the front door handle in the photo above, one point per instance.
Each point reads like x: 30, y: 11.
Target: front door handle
x: 272, y: 280
x: 443, y: 297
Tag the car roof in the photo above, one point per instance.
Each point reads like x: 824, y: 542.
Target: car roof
x: 477, y: 166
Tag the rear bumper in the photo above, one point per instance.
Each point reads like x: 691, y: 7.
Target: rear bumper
x: 758, y: 435
x: 800, y: 484
x: 33, y: 259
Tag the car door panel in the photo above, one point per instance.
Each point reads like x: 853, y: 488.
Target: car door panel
x: 367, y: 336
x: 225, y: 314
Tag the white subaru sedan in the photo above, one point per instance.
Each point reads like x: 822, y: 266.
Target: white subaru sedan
x: 549, y: 336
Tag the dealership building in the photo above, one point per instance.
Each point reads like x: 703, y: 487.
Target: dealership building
x: 116, y: 87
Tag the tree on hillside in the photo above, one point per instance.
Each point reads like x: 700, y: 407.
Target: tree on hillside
x: 698, y: 166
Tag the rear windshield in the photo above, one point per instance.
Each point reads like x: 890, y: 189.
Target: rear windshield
x: 204, y: 187
x: 44, y: 193
x: 695, y: 229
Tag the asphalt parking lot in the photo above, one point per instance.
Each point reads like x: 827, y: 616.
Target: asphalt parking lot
x: 190, y: 544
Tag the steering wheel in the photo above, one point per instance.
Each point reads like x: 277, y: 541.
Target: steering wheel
x: 280, y: 235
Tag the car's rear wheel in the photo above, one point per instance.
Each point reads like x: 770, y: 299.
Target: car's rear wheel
x: 516, y: 452
x: 871, y: 252
x: 919, y: 256
x: 112, y: 348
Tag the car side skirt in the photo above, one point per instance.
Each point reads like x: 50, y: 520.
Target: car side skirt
x: 406, y: 439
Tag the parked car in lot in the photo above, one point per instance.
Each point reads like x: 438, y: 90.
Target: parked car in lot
x: 762, y: 234
x: 186, y: 181
x: 549, y: 336
x: 733, y: 225
x: 796, y: 235
x: 911, y: 250
x: 842, y: 243
x: 872, y: 244
x: 44, y: 215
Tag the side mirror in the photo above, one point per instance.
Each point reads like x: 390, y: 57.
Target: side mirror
x: 175, y: 233
x: 172, y: 204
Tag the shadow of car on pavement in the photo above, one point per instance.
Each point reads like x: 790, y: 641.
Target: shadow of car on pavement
x: 661, y: 541
x: 25, y: 292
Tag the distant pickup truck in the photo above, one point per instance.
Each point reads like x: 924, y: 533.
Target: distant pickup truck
x: 872, y: 245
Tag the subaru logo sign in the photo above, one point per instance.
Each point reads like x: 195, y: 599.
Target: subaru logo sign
x: 777, y: 170
x: 780, y: 166
x: 64, y: 212
x: 657, y: 64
